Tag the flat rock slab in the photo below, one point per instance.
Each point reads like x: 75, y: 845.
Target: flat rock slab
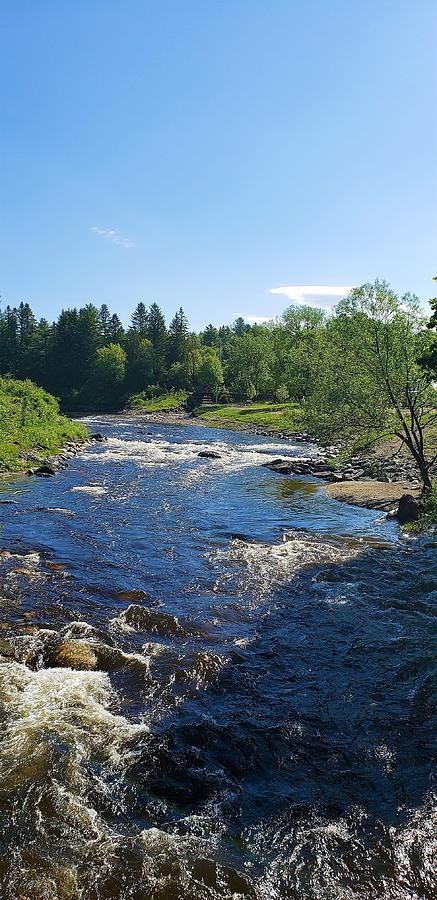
x: 373, y: 494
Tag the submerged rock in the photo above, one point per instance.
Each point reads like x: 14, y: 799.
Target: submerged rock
x: 142, y: 618
x: 99, y: 438
x: 135, y: 596
x: 209, y: 454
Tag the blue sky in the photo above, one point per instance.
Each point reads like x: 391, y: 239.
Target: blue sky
x: 205, y: 152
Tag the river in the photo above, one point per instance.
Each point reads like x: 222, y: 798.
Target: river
x: 252, y: 707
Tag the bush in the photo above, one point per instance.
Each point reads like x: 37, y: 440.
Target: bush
x: 281, y: 393
x: 428, y: 512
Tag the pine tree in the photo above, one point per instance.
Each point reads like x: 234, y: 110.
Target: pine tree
x: 178, y: 333
x: 157, y: 335
x: 104, y: 322
x: 139, y: 320
x: 116, y: 330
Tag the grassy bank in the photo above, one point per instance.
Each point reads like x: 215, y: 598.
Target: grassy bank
x: 165, y: 403
x: 30, y: 423
x: 274, y: 418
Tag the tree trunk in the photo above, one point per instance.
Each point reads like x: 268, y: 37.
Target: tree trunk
x: 420, y: 462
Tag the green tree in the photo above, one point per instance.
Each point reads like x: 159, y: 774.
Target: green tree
x: 240, y: 326
x: 429, y: 357
x: 249, y: 361
x: 370, y: 382
x: 110, y: 367
x: 210, y: 337
x: 210, y: 374
x: 140, y: 362
x: 157, y: 335
x: 139, y: 320
x: 104, y: 323
x: 281, y: 393
x: 116, y: 330
x: 178, y: 337
x: 297, y: 338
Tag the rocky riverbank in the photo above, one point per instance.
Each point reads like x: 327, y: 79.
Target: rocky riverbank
x: 353, y: 482
x: 46, y: 466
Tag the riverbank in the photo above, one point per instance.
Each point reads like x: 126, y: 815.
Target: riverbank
x: 33, y: 432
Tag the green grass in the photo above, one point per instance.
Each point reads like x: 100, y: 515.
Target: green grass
x: 30, y: 422
x: 286, y: 418
x: 171, y: 401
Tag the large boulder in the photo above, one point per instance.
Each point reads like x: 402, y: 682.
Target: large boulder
x: 408, y: 509
x: 209, y: 454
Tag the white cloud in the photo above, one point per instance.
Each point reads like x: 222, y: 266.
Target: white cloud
x: 111, y: 235
x: 318, y: 295
x: 253, y: 320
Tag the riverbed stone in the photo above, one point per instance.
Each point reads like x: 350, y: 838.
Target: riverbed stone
x: 45, y: 471
x: 408, y: 509
x: 75, y: 654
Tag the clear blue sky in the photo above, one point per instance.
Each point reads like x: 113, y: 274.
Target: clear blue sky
x: 221, y: 148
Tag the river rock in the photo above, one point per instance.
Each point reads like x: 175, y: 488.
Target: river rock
x: 98, y: 437
x: 44, y: 471
x: 135, y: 596
x: 75, y: 654
x: 408, y: 509
x: 209, y: 454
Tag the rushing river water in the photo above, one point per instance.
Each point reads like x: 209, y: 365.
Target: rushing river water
x: 215, y: 682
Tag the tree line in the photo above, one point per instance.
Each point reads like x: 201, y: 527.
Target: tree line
x: 87, y: 358
x: 364, y: 372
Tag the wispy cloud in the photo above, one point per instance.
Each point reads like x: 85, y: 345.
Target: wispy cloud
x: 111, y: 235
x: 319, y: 295
x: 253, y: 320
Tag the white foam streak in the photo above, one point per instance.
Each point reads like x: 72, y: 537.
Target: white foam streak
x: 165, y: 453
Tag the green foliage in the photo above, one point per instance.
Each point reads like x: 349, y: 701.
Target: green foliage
x: 428, y: 358
x: 281, y: 393
x: 110, y: 365
x: 30, y: 421
x: 428, y: 513
x: 209, y: 376
x: 369, y: 382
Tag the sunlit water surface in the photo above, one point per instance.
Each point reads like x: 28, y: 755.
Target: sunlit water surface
x: 215, y: 682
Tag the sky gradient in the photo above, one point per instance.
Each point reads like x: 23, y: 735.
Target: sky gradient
x: 204, y: 152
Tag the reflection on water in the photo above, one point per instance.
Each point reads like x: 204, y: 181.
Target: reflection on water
x: 214, y: 682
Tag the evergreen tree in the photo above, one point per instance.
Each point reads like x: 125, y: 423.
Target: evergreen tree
x: 116, y: 330
x: 104, y: 323
x: 178, y: 335
x: 139, y: 320
x: 157, y: 335
x: 240, y: 326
